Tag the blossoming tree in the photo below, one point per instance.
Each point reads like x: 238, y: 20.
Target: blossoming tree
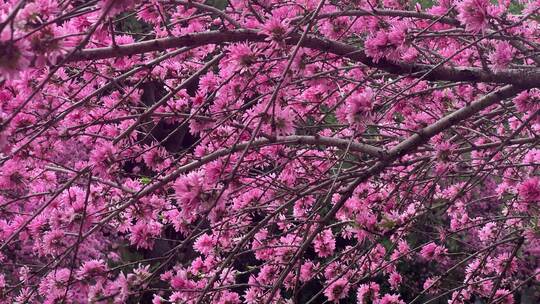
x: 269, y: 151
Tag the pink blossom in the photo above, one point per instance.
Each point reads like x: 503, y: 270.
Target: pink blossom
x: 205, y: 244
x: 430, y: 284
x: 276, y: 29
x: 368, y: 293
x: 376, y: 46
x: 155, y: 158
x: 189, y: 188
x: 395, y: 280
x: 103, y: 158
x: 242, y: 55
x: 12, y: 175
x: 143, y: 234
x: 47, y: 45
x: 474, y: 14
x: 337, y: 290
x: 260, y: 143
x: 527, y: 101
x: 307, y: 271
x: 158, y: 300
x: 390, y: 299
x: 529, y: 190
x: 54, y: 241
x: 151, y: 12
x: 502, y: 56
x: 181, y: 281
x: 268, y: 274
x: 335, y: 27
x: 53, y: 286
x: 505, y: 296
x: 486, y: 233
x: 92, y: 269
x: 228, y: 297
x: 432, y: 252
x: 325, y: 243
x: 359, y: 108
x: 283, y: 118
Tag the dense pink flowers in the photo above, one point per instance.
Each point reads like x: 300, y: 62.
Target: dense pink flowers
x: 390, y: 45
x: 103, y: 158
x: 143, y: 234
x: 370, y: 152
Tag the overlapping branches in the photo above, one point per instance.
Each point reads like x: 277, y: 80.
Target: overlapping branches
x: 264, y: 152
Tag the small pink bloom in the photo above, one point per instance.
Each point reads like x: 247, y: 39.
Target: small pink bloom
x: 390, y: 299
x: 228, y: 297
x: 307, y: 271
x: 143, y: 234
x: 54, y: 241
x: 205, y: 244
x: 486, y: 233
x: 504, y: 296
x: 432, y: 252
x: 276, y: 29
x: 337, y: 290
x: 376, y: 46
x: 431, y: 285
x: 359, y: 108
x: 284, y: 121
x: 368, y: 293
x: 529, y: 190
x: 395, y: 280
x: 502, y: 56
x: 92, y: 269
x: 527, y: 101
x: 242, y: 55
x: 189, y: 188
x: 325, y: 244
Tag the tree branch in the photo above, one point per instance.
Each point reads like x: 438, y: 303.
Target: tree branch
x: 520, y: 77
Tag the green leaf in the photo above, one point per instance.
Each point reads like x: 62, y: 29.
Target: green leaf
x: 145, y: 180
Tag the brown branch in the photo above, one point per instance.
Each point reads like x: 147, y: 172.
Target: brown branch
x: 519, y: 77
x: 207, y: 8
x: 391, y: 13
